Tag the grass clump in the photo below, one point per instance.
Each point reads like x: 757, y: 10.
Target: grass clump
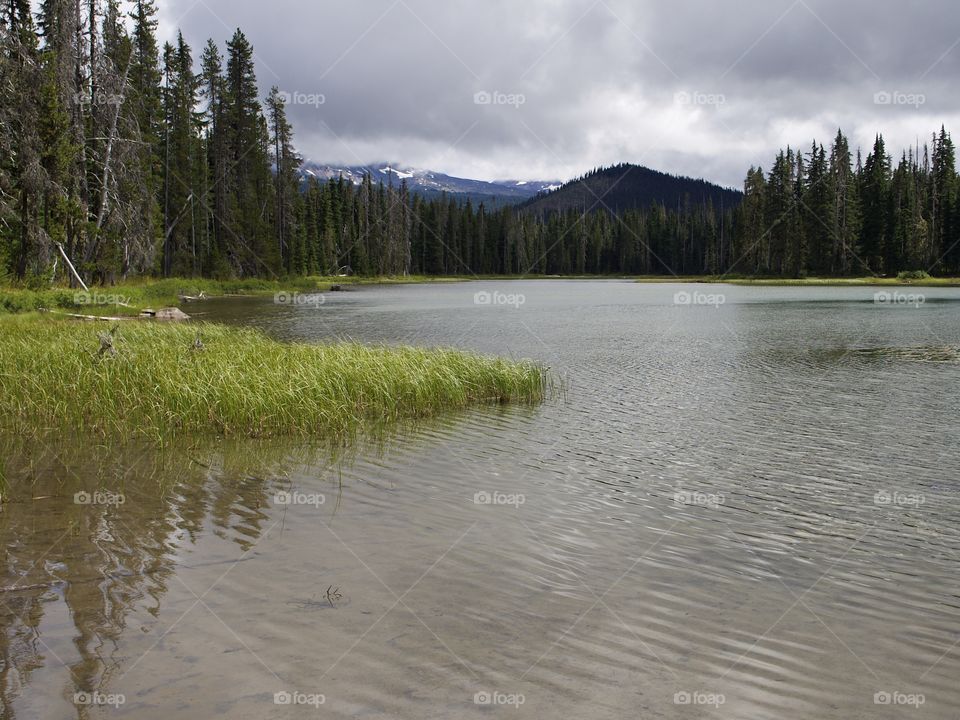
x: 160, y: 381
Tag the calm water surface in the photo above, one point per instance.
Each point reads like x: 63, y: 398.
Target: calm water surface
x: 741, y: 511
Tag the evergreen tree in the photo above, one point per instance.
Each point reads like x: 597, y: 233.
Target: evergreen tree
x: 180, y: 179
x: 819, y: 199
x: 286, y: 164
x: 845, y: 216
x: 875, y: 200
x: 943, y: 196
x: 249, y: 186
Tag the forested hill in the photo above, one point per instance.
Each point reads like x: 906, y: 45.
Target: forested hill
x: 626, y: 187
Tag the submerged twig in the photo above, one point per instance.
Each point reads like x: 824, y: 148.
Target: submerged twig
x: 333, y: 594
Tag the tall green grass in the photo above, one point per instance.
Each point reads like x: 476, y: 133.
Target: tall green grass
x: 241, y: 382
x: 142, y: 293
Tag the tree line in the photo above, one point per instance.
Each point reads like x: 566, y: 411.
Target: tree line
x: 120, y: 158
x: 824, y: 213
x: 820, y: 213
x: 123, y: 158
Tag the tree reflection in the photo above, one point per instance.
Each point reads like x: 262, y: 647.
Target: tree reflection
x: 91, y: 533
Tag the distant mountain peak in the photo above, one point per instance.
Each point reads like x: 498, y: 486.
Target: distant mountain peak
x: 626, y: 186
x: 617, y: 187
x: 431, y: 183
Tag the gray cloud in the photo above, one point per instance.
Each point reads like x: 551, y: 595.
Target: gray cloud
x: 690, y: 86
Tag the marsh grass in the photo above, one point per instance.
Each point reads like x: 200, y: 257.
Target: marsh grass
x: 139, y: 294
x: 142, y: 293
x: 241, y: 383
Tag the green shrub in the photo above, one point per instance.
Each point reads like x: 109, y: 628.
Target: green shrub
x: 913, y: 275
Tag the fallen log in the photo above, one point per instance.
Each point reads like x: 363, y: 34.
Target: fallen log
x: 162, y: 314
x: 106, y: 318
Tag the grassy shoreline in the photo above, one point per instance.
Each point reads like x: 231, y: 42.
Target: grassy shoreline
x: 867, y: 281
x: 157, y: 384
x: 842, y: 282
x: 129, y: 298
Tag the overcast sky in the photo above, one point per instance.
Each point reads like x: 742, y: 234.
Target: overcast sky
x: 693, y: 87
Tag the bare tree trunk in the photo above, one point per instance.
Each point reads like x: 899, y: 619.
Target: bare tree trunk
x: 72, y: 268
x: 105, y: 184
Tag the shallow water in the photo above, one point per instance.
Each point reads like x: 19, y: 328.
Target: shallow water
x: 742, y: 511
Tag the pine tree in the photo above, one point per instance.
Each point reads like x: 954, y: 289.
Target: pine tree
x: 180, y: 181
x: 146, y: 112
x: 22, y: 176
x: 943, y: 196
x: 286, y: 163
x: 752, y: 235
x: 213, y: 200
x: 778, y: 212
x: 875, y: 199
x: 249, y: 185
x: 845, y: 215
x: 819, y: 199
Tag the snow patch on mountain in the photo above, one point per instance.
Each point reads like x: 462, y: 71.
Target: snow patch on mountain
x: 431, y: 182
x: 399, y: 173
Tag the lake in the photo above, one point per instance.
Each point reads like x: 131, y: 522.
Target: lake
x: 740, y: 502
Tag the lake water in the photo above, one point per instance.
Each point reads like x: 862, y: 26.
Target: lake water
x: 741, y: 506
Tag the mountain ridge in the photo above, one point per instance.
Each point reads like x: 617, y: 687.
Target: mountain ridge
x: 431, y: 183
x: 627, y: 186
x: 617, y: 187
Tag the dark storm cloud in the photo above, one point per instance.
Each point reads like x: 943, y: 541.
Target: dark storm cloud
x: 694, y: 87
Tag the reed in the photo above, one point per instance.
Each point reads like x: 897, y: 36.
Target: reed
x: 158, y: 380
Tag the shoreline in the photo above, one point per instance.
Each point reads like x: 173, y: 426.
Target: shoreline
x: 129, y: 298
